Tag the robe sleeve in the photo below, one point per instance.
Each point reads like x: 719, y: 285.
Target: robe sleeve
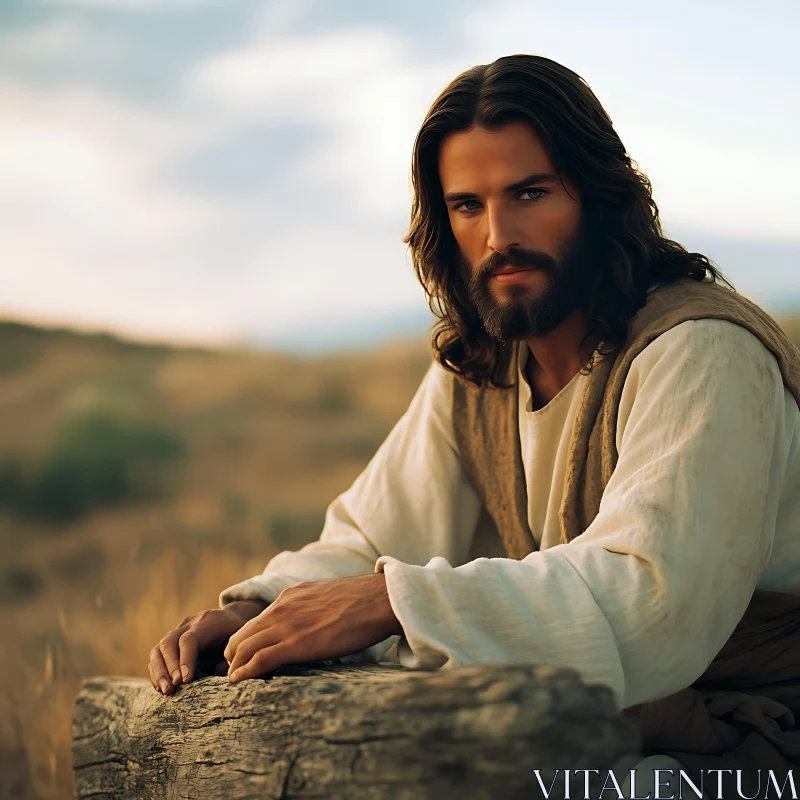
x: 412, y: 501
x: 647, y: 596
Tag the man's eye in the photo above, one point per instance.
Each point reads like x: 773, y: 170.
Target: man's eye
x: 528, y: 191
x: 463, y: 205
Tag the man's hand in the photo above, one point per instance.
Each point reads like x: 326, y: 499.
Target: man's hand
x: 174, y: 659
x: 313, y: 621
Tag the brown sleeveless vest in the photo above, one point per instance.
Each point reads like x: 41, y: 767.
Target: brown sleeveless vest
x: 689, y: 725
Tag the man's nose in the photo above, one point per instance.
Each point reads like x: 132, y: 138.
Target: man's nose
x: 501, y: 234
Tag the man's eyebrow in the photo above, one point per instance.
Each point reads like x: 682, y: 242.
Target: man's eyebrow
x: 536, y: 177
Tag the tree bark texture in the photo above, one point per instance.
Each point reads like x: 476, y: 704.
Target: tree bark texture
x: 370, y: 731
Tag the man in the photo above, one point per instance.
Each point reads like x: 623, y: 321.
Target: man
x: 602, y: 464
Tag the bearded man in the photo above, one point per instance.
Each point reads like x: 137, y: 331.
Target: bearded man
x: 600, y: 469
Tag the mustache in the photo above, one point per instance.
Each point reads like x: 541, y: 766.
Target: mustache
x: 517, y: 257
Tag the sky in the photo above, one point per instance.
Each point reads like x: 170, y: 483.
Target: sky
x: 237, y: 171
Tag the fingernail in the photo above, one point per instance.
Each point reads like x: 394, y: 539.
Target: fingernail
x: 176, y: 677
x: 232, y: 675
x: 164, y: 684
x: 185, y: 672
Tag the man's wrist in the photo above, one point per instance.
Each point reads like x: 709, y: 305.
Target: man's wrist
x: 246, y: 609
x: 392, y: 624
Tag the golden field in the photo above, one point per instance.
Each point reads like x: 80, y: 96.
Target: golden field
x: 258, y: 445
x: 137, y: 481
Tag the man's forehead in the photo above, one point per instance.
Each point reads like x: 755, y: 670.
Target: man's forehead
x: 499, y: 156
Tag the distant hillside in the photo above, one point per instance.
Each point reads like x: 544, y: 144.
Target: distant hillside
x: 276, y: 432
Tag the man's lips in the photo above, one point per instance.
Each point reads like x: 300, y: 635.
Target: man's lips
x: 510, y: 268
x: 513, y: 268
x: 512, y: 274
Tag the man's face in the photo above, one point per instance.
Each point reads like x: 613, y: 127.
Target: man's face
x: 524, y: 250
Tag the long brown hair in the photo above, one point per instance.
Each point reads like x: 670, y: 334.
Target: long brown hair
x: 632, y: 252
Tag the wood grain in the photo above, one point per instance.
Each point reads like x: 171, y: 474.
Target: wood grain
x: 344, y: 731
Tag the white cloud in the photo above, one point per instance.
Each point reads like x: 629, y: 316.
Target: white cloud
x: 58, y: 39
x: 720, y: 186
x: 91, y: 164
x: 716, y: 138
x: 86, y: 220
x: 138, y: 5
x: 361, y: 86
x: 95, y: 233
x: 682, y: 120
x: 278, y: 17
x: 328, y: 273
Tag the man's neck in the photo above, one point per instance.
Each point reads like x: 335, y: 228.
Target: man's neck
x: 558, y: 357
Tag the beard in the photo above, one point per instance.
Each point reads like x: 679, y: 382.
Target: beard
x: 522, y: 315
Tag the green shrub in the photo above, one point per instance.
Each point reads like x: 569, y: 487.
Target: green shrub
x: 18, y: 583
x: 235, y: 508
x: 334, y: 399
x: 95, y: 460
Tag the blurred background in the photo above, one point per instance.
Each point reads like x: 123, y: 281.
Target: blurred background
x: 208, y: 320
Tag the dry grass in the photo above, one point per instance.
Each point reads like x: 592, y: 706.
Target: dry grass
x: 37, y: 702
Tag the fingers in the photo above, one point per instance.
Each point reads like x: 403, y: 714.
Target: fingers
x: 245, y: 632
x: 169, y: 650
x: 150, y: 671
x: 173, y: 661
x: 159, y: 676
x: 164, y: 667
x: 188, y: 650
x: 263, y: 661
x: 250, y: 646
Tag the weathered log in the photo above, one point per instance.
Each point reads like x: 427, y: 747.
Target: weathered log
x: 346, y: 731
